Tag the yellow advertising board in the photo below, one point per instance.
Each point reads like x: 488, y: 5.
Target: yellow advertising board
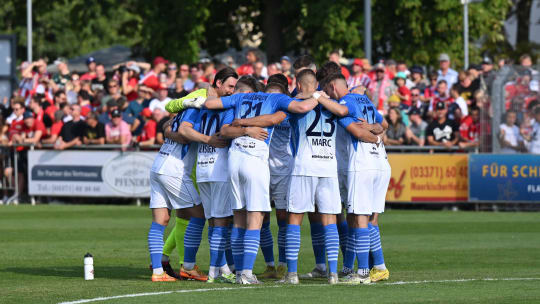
x: 428, y: 178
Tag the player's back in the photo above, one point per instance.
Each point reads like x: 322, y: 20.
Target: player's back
x: 281, y: 160
x: 362, y: 155
x: 212, y: 162
x: 313, y: 137
x: 175, y: 159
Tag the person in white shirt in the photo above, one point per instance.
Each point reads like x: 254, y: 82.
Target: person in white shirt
x: 445, y: 72
x: 509, y: 136
x: 162, y: 99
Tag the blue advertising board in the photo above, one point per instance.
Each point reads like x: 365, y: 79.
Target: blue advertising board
x: 504, y: 177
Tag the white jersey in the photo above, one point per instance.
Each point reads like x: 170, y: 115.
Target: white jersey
x: 362, y: 155
x: 534, y: 144
x: 511, y: 135
x: 212, y: 163
x: 174, y: 159
x: 313, y: 142
x: 281, y: 159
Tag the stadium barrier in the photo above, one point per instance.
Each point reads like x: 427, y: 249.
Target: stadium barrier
x: 446, y: 175
x: 504, y: 178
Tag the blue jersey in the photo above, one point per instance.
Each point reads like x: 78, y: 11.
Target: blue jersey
x: 212, y: 162
x: 248, y: 105
x: 175, y: 159
x: 313, y: 143
x: 361, y: 155
x: 281, y: 160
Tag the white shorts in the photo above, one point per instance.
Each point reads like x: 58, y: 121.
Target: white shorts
x: 343, y: 193
x: 307, y: 191
x: 279, y: 187
x: 172, y: 192
x: 367, y: 191
x: 216, y: 199
x: 250, y: 182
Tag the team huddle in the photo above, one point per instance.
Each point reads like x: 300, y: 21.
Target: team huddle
x: 245, y: 146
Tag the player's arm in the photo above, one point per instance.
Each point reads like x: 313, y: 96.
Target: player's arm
x: 261, y: 121
x: 332, y: 106
x: 231, y: 132
x: 187, y: 131
x: 362, y: 134
x: 192, y: 100
x: 432, y: 142
x: 375, y: 128
x: 213, y: 103
x: 302, y: 106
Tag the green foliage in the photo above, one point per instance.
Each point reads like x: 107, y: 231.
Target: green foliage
x: 415, y: 31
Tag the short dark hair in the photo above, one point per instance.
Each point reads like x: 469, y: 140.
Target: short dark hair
x: 85, y: 95
x: 275, y: 85
x: 224, y: 74
x: 328, y: 69
x: 303, y: 61
x: 260, y: 86
x: 442, y: 81
x: 475, y: 108
x: 92, y: 115
x: 255, y: 52
x: 279, y: 78
x: 59, y: 92
x: 247, y: 81
x: 305, y: 76
x: 332, y: 77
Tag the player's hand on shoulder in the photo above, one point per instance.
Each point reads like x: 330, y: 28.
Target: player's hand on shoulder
x: 364, y: 124
x: 257, y: 133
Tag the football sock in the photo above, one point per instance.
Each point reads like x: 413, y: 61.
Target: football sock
x: 282, y: 237
x: 180, y: 232
x: 343, y: 229
x: 350, y: 253
x: 331, y: 244
x: 192, y: 241
x: 362, y: 248
x: 214, y: 239
x: 251, y: 248
x: 237, y: 247
x: 170, y: 244
x: 375, y: 249
x: 228, y: 250
x: 155, y: 246
x: 317, y: 241
x: 164, y: 258
x: 292, y: 247
x: 213, y: 272
x: 267, y: 244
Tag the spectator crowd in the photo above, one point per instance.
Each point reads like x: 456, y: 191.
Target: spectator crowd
x: 126, y: 105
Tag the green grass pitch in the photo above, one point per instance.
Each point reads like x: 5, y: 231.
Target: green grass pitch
x: 42, y: 249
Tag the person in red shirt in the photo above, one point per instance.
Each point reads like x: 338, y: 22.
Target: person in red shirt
x: 469, y: 129
x: 252, y: 56
x: 91, y: 74
x: 403, y: 92
x: 55, y: 129
x: 32, y: 131
x: 148, y: 135
x: 16, y: 122
x: 151, y: 79
x: 334, y: 56
x: 130, y: 83
x: 35, y: 107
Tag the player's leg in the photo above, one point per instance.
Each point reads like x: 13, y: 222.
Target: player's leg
x: 238, y: 229
x: 328, y: 202
x: 160, y: 218
x: 168, y: 247
x: 343, y: 231
x: 350, y: 251
x: 267, y: 244
x: 379, y: 271
x: 317, y: 243
x: 257, y: 199
x: 281, y: 216
x: 360, y: 197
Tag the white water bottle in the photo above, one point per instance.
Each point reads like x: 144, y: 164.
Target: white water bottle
x: 88, y: 267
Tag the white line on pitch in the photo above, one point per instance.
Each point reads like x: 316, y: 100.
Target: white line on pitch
x: 134, y: 295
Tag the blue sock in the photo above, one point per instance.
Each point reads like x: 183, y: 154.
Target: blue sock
x: 317, y: 241
x: 375, y: 249
x: 370, y: 227
x: 192, y: 239
x: 223, y: 233
x: 343, y: 234
x: 292, y: 247
x: 350, y: 253
x: 210, y: 231
x: 228, y: 250
x: 214, y: 240
x: 267, y: 244
x: 155, y: 244
x: 362, y: 247
x: 252, y: 240
x: 237, y: 246
x: 331, y: 244
x: 281, y: 240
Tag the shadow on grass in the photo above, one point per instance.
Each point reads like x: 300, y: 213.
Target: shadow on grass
x: 106, y: 272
